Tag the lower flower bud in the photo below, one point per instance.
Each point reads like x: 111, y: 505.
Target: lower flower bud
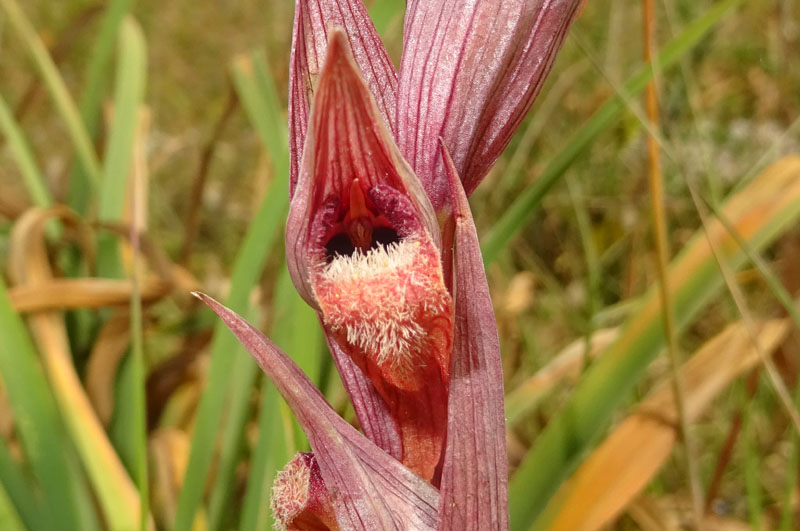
x: 300, y: 501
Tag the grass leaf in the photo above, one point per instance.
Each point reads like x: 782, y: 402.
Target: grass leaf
x: 23, y: 156
x: 57, y: 88
x: 760, y: 212
x: 256, y: 90
x: 128, y: 96
x: 38, y: 423
x: 93, y: 94
x: 520, y: 211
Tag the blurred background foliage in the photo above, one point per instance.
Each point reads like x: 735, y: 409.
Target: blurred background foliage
x: 112, y: 388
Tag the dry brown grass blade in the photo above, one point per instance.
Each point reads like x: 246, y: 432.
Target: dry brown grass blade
x: 68, y: 293
x: 675, y: 513
x: 628, y: 459
x: 567, y: 364
x: 6, y: 415
x: 169, y: 454
x: 29, y: 265
x: 12, y: 204
x: 661, y: 240
x: 177, y: 276
x: 101, y: 370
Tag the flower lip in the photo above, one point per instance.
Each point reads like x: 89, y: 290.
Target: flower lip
x: 377, y: 278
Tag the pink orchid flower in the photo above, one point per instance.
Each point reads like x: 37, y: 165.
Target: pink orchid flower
x: 381, y: 242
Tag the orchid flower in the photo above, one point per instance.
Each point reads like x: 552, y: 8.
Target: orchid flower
x: 381, y: 243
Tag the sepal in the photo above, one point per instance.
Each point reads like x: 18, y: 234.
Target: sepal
x: 369, y: 489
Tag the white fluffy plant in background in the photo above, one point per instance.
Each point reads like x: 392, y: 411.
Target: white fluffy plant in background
x: 381, y: 243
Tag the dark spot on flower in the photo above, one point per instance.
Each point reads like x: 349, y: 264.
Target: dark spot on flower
x: 383, y: 236
x: 340, y: 245
x: 382, y: 217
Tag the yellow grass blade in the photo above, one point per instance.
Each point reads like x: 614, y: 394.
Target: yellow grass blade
x: 762, y: 210
x: 29, y: 265
x: 631, y: 456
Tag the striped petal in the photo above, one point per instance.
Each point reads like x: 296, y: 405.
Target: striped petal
x: 312, y: 21
x: 474, y: 487
x: 469, y: 73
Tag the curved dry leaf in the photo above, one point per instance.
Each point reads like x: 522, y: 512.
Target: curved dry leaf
x: 628, y: 459
x: 68, y: 293
x: 29, y: 265
x: 168, y: 451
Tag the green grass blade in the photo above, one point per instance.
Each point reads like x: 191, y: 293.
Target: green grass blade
x: 384, y: 12
x: 259, y: 98
x: 263, y: 102
x: 140, y: 408
x: 129, y: 92
x: 128, y: 96
x: 22, y: 154
x: 94, y: 89
x: 787, y: 510
x: 57, y: 89
x: 92, y: 98
x: 256, y: 90
x: 138, y: 364
x: 244, y: 376
x: 760, y: 212
x: 38, y: 423
x: 270, y: 455
x: 18, y: 492
x: 9, y: 519
x: 520, y: 211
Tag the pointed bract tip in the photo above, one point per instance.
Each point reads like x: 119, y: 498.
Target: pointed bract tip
x: 339, y: 53
x: 458, y: 198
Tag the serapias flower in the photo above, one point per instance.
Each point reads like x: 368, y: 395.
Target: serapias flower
x: 365, y: 252
x: 380, y: 241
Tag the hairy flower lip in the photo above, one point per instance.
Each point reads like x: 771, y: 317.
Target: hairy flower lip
x: 389, y: 307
